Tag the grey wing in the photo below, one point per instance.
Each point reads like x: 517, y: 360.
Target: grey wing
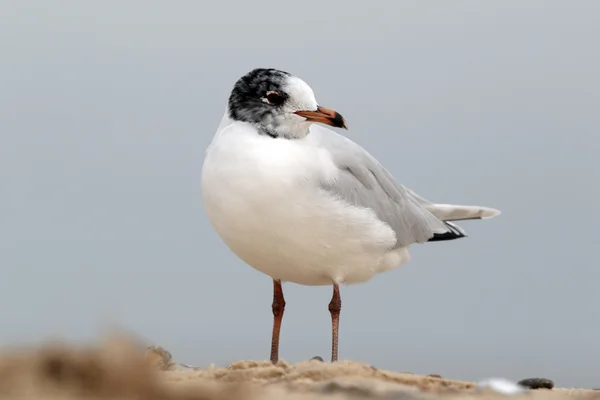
x: 362, y: 181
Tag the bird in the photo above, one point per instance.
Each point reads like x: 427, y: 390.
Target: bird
x: 304, y: 204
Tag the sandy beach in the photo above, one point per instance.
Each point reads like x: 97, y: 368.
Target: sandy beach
x: 123, y: 368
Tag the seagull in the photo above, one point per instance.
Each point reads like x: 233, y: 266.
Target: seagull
x: 301, y: 203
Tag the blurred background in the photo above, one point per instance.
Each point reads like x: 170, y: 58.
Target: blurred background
x: 106, y: 109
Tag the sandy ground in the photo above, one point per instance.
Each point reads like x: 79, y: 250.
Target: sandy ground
x: 122, y: 368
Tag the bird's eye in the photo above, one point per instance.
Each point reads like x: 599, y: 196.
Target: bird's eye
x: 275, y: 98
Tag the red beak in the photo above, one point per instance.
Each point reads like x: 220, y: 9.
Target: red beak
x: 324, y: 116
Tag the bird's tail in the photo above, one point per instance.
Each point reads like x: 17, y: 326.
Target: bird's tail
x: 451, y: 212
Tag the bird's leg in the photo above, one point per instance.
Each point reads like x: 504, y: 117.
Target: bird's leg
x: 335, y: 305
x: 278, y: 307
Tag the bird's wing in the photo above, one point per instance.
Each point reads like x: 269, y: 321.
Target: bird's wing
x: 362, y: 181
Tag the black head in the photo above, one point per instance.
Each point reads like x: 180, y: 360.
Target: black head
x: 278, y: 104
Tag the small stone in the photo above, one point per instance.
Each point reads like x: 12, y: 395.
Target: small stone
x: 537, y: 383
x: 317, y: 358
x: 158, y: 358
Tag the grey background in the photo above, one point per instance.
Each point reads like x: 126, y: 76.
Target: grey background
x: 107, y: 107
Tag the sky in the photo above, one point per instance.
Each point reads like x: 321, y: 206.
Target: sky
x: 106, y: 110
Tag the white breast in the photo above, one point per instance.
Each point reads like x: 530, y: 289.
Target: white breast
x: 263, y: 198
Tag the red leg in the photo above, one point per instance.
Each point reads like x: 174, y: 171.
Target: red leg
x: 278, y: 307
x: 335, y: 305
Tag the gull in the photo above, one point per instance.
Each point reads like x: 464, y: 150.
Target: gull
x: 303, y: 204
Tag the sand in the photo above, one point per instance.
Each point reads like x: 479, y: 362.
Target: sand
x: 121, y: 368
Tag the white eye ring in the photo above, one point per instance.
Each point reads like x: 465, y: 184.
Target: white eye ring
x: 274, y: 95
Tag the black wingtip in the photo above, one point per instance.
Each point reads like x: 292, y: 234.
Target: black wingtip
x: 452, y: 234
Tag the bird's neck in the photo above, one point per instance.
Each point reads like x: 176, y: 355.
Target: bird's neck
x: 295, y: 131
